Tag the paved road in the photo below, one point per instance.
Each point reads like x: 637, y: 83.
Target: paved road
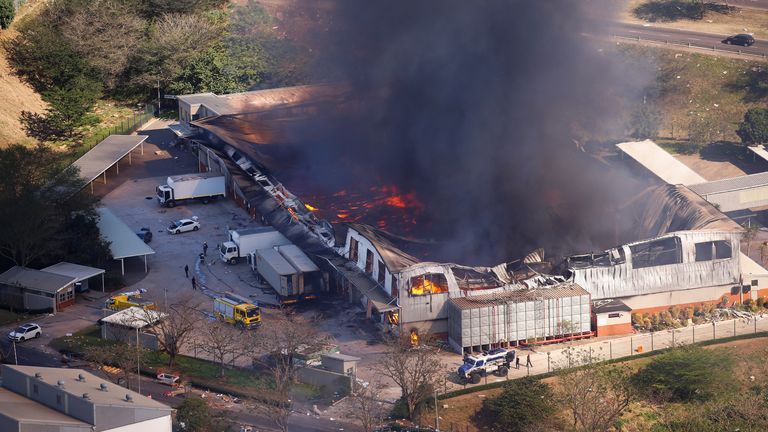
x: 710, y: 41
x: 751, y: 4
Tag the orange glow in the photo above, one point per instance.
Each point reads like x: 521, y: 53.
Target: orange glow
x: 292, y: 212
x: 342, y: 215
x: 395, y: 201
x: 310, y: 208
x: 414, y: 338
x: 421, y: 285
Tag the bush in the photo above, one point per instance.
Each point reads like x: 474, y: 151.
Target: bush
x: 754, y: 129
x: 7, y: 12
x: 195, y: 415
x: 761, y: 302
x: 685, y: 374
x: 521, y: 406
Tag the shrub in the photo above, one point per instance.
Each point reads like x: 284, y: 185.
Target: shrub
x: 521, y: 406
x: 637, y: 319
x: 7, y: 12
x: 698, y: 310
x: 724, y: 301
x: 688, y: 313
x: 685, y: 374
x: 760, y: 302
x: 195, y: 414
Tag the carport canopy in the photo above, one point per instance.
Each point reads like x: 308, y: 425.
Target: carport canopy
x: 123, y: 242
x: 77, y: 271
x: 107, y: 154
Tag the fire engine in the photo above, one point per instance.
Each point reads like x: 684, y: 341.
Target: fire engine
x: 496, y: 361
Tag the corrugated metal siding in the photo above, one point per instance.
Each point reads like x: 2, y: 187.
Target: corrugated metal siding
x: 621, y: 280
x: 517, y: 320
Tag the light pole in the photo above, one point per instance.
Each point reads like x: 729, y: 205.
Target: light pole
x: 437, y: 418
x: 138, y: 363
x: 15, y: 358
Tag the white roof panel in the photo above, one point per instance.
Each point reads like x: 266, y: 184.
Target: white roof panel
x: 751, y: 268
x: 105, y: 154
x: 77, y: 271
x: 134, y: 317
x: 297, y: 258
x: 660, y: 163
x: 278, y: 263
x: 124, y: 243
x: 759, y: 151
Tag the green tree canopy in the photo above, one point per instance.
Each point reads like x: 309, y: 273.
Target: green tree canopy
x: 521, y: 405
x: 686, y: 374
x: 754, y: 129
x: 195, y: 415
x: 7, y: 12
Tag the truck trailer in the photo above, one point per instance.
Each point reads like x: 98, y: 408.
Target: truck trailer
x: 242, y: 242
x: 202, y: 186
x: 288, y: 271
x: 237, y: 310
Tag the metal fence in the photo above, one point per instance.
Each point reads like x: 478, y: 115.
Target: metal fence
x: 127, y: 126
x: 694, y: 46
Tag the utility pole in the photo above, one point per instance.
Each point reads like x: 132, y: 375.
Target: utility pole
x: 437, y: 418
x: 138, y: 363
x: 15, y: 358
x: 158, y: 97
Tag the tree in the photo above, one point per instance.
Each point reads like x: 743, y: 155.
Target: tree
x: 210, y: 71
x: 520, y: 406
x: 414, y: 369
x: 280, y: 342
x: 222, y: 342
x: 7, y: 12
x: 685, y: 374
x: 195, y: 415
x: 68, y: 106
x: 122, y: 355
x: 41, y: 218
x: 367, y: 408
x: 754, y: 129
x: 749, y: 234
x: 645, y: 122
x: 177, y: 328
x: 596, y: 394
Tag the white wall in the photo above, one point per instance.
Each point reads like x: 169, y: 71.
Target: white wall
x: 161, y: 424
x: 364, y: 245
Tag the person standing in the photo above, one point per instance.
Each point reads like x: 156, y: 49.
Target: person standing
x: 517, y: 362
x: 194, y: 283
x: 528, y: 361
x: 205, y: 248
x: 186, y: 271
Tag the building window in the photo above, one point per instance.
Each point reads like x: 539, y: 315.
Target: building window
x: 754, y: 282
x: 430, y: 283
x: 707, y: 251
x: 382, y: 273
x: 394, y: 287
x: 353, y: 249
x: 657, y: 253
x: 368, y: 261
x: 614, y: 315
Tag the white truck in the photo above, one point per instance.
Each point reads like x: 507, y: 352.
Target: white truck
x: 202, y: 186
x: 289, y: 271
x: 242, y: 242
x: 497, y: 361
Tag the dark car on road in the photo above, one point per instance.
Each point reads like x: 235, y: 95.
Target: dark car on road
x: 145, y: 234
x: 740, y: 39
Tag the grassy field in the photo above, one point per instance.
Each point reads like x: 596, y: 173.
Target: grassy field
x: 17, y: 97
x: 701, y: 92
x: 718, y: 19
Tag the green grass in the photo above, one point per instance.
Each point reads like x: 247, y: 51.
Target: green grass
x: 8, y: 317
x: 80, y: 340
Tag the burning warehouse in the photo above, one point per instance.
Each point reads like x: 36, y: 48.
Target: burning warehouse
x: 680, y: 251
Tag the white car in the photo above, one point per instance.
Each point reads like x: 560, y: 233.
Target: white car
x: 27, y: 331
x: 183, y: 225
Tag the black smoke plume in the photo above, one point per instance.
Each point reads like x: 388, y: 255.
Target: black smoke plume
x: 487, y: 110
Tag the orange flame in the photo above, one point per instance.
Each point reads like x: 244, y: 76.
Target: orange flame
x: 422, y: 285
x: 310, y: 207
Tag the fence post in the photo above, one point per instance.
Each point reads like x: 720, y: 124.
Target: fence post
x: 610, y: 348
x: 673, y: 338
x: 734, y: 327
x: 548, y: 359
x: 652, y: 341
x: 755, y: 318
x: 631, y: 345
x: 713, y: 331
x: 590, y: 355
x: 694, y: 334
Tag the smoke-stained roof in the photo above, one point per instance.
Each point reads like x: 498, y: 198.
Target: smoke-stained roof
x: 669, y: 208
x: 388, y: 245
x: 563, y: 290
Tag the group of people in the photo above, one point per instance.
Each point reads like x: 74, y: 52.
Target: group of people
x: 186, y: 267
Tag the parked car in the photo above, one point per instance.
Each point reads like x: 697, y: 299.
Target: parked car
x: 168, y: 379
x: 184, y: 225
x: 27, y: 331
x: 145, y: 234
x: 740, y: 39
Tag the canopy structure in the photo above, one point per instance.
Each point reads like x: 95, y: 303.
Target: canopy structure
x: 77, y: 271
x: 134, y: 317
x: 662, y: 164
x: 758, y: 151
x: 106, y: 154
x: 123, y: 242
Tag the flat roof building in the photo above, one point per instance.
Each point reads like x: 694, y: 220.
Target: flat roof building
x: 24, y: 288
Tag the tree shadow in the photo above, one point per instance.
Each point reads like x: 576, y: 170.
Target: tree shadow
x: 734, y: 153
x: 754, y: 84
x: 675, y: 10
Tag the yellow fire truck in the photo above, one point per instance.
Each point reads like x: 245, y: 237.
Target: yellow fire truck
x: 237, y: 310
x: 129, y: 299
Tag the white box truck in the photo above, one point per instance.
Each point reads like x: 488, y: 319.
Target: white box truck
x: 309, y: 281
x: 203, y: 187
x: 243, y: 242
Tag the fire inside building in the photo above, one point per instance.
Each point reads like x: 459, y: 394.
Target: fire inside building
x: 682, y: 251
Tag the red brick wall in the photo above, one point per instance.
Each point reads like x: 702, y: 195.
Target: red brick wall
x: 61, y: 306
x: 732, y: 298
x: 614, y: 329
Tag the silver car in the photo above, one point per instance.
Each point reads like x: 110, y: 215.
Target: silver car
x: 183, y: 225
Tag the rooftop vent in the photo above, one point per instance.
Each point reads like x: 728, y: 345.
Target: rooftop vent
x: 103, y: 387
x: 60, y: 383
x: 38, y: 375
x: 86, y: 396
x: 128, y: 398
x: 81, y: 377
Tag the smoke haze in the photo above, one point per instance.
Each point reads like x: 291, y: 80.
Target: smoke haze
x: 481, y: 108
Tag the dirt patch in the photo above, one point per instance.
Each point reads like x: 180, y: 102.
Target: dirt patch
x: 17, y: 97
